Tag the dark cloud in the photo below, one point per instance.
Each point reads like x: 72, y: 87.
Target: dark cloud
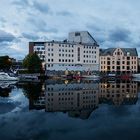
x: 16, y: 52
x: 6, y: 37
x: 3, y: 20
x: 64, y: 13
x: 40, y: 25
x: 30, y: 36
x: 21, y: 3
x: 120, y: 34
x: 41, y: 7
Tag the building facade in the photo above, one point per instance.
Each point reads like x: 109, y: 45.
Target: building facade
x: 71, y: 56
x: 38, y: 48
x: 79, y: 53
x: 119, y: 60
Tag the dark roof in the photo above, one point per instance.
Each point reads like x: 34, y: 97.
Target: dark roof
x: 109, y: 51
x: 73, y: 43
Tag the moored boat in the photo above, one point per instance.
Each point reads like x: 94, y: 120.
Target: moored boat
x: 6, y: 77
x: 136, y: 75
x: 91, y: 76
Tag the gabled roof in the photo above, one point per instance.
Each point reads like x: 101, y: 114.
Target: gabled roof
x: 110, y: 51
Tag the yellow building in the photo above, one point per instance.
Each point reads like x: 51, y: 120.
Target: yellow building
x: 120, y: 60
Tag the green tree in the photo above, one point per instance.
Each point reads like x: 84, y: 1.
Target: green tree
x: 33, y: 63
x: 5, y: 62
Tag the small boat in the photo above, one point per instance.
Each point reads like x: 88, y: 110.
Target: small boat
x: 136, y: 75
x: 91, y: 76
x: 6, y: 77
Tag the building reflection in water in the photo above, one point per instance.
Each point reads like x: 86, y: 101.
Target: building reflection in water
x: 80, y: 99
x: 118, y: 93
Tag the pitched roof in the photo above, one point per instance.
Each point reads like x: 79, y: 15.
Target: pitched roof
x: 109, y: 51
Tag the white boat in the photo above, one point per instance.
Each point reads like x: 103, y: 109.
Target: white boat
x: 6, y: 77
x: 136, y: 75
x: 91, y: 76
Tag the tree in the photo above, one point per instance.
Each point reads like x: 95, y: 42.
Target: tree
x: 33, y: 63
x: 5, y: 62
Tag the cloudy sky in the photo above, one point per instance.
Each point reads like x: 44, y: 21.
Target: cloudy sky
x: 111, y: 23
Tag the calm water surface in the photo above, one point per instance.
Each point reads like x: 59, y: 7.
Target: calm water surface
x: 69, y: 110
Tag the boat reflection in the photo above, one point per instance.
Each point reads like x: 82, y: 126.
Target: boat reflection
x: 81, y: 99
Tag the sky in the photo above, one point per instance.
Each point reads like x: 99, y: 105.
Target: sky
x: 111, y: 23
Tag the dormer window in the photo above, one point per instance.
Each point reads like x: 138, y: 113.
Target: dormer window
x: 128, y: 53
x: 118, y: 53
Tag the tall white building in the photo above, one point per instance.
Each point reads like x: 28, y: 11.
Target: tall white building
x: 73, y: 56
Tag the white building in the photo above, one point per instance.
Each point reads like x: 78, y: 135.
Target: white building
x: 72, y: 56
x: 79, y: 53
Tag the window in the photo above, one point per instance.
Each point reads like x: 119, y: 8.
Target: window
x: 59, y: 60
x: 128, y: 58
x: 78, y: 54
x: 77, y: 34
x: 128, y: 68
x: 123, y: 67
x: 118, y: 62
x: 108, y: 62
x: 118, y: 53
x: 128, y: 62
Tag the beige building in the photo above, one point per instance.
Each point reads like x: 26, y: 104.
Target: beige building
x: 120, y: 60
